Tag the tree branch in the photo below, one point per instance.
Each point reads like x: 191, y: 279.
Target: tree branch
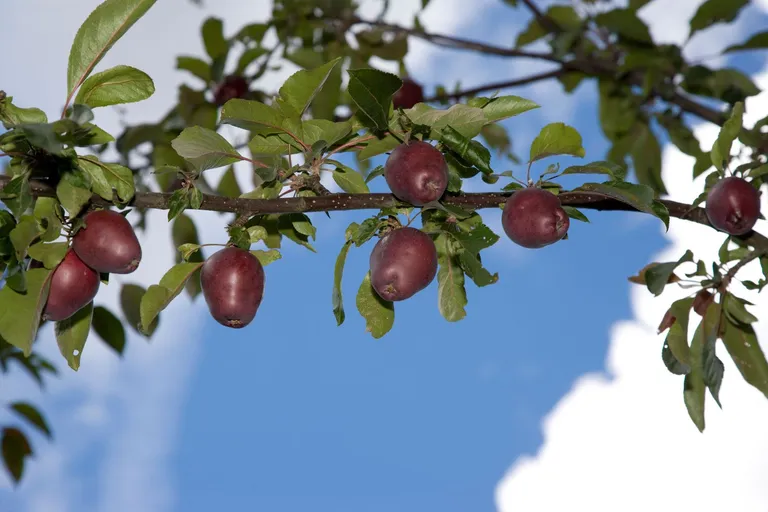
x: 499, y: 85
x: 346, y: 202
x: 545, y: 21
x: 458, y: 43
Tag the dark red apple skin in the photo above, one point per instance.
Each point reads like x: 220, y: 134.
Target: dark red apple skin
x: 533, y: 218
x: 108, y: 243
x: 408, y: 95
x: 733, y: 206
x: 416, y: 173
x: 233, y: 86
x: 73, y: 285
x: 403, y: 263
x: 233, y: 286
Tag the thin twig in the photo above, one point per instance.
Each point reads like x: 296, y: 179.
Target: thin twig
x: 499, y: 85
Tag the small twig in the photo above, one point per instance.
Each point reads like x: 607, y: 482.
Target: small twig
x: 349, y: 145
x: 240, y: 221
x: 741, y: 264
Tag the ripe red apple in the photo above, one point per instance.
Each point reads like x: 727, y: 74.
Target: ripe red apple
x: 416, y: 173
x: 403, y: 263
x: 233, y: 86
x: 408, y: 95
x: 108, y: 243
x: 534, y: 218
x: 233, y: 286
x: 73, y: 285
x: 733, y: 206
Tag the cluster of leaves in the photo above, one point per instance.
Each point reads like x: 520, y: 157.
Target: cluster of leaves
x: 51, y: 182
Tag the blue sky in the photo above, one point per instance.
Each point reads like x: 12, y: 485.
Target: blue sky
x: 295, y: 413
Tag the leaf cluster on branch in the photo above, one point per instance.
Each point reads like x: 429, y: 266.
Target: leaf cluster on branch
x: 64, y: 229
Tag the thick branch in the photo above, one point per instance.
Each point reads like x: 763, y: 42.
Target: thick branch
x: 342, y: 202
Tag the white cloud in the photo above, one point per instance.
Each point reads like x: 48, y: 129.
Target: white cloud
x: 622, y: 440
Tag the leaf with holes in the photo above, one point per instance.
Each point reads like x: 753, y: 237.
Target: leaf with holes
x: 72, y: 333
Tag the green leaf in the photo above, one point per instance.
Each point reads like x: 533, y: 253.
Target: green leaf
x: 158, y: 297
x: 252, y: 115
x: 338, y: 272
x: 452, y: 296
x: 470, y: 151
x: 17, y: 195
x: 473, y: 267
x: 379, y: 314
x: 316, y: 130
x: 101, y: 30
x: 477, y: 238
x: 677, y: 337
x: 109, y: 328
x: 117, y: 85
x: 657, y: 276
x: 47, y: 212
x: 626, y: 24
x: 15, y: 449
x: 736, y: 310
x: 108, y: 176
x: 72, y: 333
x: 575, y: 213
x: 715, y: 11
x: 372, y: 90
x: 758, y: 41
x: 11, y: 115
x: 25, y: 232
x: 204, y: 148
x: 247, y: 57
x: 556, y: 139
x: 721, y: 150
x: 742, y: 345
x: 178, y: 202
x: 640, y: 197
x: 267, y: 257
x: 130, y: 303
x: 466, y: 120
x: 72, y: 195
x: 616, y: 172
x: 646, y: 159
x: 33, y: 416
x: 197, y: 67
x: 228, y: 186
x: 213, y: 38
x: 350, y: 181
x: 693, y: 384
x: 300, y: 89
x: 712, y: 367
x: 20, y: 312
x: 49, y: 254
